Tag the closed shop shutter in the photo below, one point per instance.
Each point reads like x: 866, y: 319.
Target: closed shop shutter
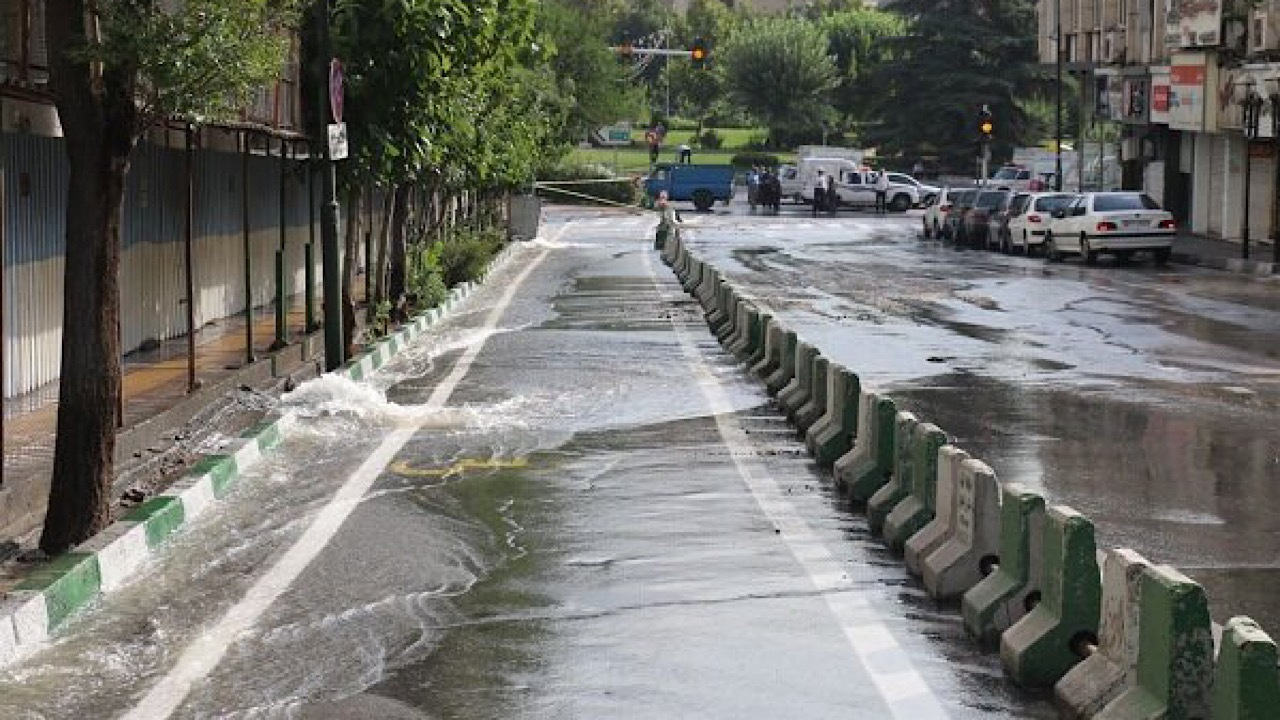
x: 1219, y: 148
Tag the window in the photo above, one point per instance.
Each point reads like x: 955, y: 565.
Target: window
x: 1053, y: 202
x: 1111, y: 202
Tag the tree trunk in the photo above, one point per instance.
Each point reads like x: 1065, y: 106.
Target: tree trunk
x: 396, y: 276
x: 354, y: 196
x: 384, y: 237
x: 99, y: 123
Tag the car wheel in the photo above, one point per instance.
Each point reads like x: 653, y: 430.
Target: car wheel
x: 1124, y: 256
x: 1161, y: 256
x: 900, y: 203
x: 1051, y: 253
x: 703, y: 200
x: 1090, y: 255
x: 1026, y: 244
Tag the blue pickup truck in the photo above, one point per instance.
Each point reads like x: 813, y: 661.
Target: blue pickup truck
x: 702, y: 184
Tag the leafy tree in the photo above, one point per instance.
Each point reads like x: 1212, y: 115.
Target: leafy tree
x: 779, y: 71
x: 593, y: 88
x: 144, y: 60
x: 860, y: 40
x: 956, y: 56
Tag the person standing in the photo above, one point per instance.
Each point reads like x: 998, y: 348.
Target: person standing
x: 819, y: 191
x: 882, y: 191
x: 686, y: 153
x: 833, y: 200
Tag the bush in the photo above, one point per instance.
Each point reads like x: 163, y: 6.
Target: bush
x: 711, y: 140
x: 465, y: 254
x: 622, y: 191
x: 751, y: 159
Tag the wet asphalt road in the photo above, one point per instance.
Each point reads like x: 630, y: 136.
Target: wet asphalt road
x: 1147, y: 398
x: 578, y: 507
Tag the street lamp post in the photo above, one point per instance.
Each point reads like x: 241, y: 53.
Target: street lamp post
x: 1057, y: 105
x: 1251, y: 105
x: 1273, y: 104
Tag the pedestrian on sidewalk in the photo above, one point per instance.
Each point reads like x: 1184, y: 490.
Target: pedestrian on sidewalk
x: 819, y: 191
x: 882, y: 191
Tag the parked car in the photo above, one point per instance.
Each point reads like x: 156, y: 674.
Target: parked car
x: 998, y: 225
x: 936, y: 210
x: 1012, y: 177
x: 961, y: 202
x: 1028, y: 218
x: 1117, y: 222
x: 925, y: 193
x: 974, y: 224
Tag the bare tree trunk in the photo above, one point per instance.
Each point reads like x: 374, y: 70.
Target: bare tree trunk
x: 396, y: 276
x: 354, y: 197
x: 99, y: 122
x: 384, y: 238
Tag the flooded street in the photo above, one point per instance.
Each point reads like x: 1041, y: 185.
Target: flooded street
x: 564, y: 501
x: 1146, y: 398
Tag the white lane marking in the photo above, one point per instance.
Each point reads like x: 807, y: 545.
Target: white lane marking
x: 204, y: 654
x: 895, y: 678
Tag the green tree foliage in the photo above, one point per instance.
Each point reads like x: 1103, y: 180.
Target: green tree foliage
x: 861, y: 41
x: 110, y: 79
x: 957, y: 55
x: 780, y: 72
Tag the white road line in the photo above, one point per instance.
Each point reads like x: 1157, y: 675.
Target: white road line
x: 896, y: 680
x: 203, y: 655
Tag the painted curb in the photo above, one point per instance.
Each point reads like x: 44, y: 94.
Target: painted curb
x: 53, y: 592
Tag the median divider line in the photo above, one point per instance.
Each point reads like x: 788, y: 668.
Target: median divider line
x: 42, y: 602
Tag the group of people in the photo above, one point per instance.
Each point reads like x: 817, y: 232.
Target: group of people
x: 764, y: 188
x: 826, y: 199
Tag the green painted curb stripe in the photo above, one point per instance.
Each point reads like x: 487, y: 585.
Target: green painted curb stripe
x: 162, y: 517
x: 267, y: 433
x: 67, y: 582
x: 221, y: 470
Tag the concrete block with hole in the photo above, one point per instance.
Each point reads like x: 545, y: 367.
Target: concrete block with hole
x: 1009, y: 592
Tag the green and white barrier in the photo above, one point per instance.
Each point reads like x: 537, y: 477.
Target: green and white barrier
x: 1175, y: 652
x: 1004, y: 596
x: 971, y: 546
x: 758, y: 350
x: 1042, y: 646
x: 862, y: 471
x: 724, y: 306
x: 748, y: 332
x: 728, y: 333
x: 816, y: 406
x: 932, y: 535
x: 919, y: 506
x: 770, y: 354
x: 796, y: 392
x: 786, y: 370
x: 899, y: 481
x: 1245, y: 686
x: 832, y: 435
x: 1101, y: 677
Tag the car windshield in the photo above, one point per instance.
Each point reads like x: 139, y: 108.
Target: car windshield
x: 902, y: 179
x: 962, y: 196
x: 1123, y: 201
x: 1053, y: 202
x: 990, y: 199
x: 1008, y: 173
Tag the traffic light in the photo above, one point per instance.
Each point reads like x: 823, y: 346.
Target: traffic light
x: 698, y: 52
x: 626, y: 48
x: 986, y: 126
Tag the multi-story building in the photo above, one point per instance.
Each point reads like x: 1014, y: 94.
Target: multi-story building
x: 1190, y: 86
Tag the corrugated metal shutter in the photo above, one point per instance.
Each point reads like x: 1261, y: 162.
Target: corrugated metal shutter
x: 1219, y: 151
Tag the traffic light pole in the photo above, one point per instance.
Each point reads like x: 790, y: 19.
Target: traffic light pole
x: 332, y: 274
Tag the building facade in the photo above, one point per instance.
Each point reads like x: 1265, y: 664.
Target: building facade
x: 1189, y: 89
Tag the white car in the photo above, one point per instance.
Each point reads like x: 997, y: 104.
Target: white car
x: 923, y: 191
x: 935, y: 212
x: 1120, y: 223
x: 1012, y: 177
x: 1029, y: 216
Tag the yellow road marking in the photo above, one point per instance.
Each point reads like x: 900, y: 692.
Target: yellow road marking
x: 402, y: 467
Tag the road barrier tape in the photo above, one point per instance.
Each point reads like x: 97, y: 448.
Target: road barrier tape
x: 1044, y: 644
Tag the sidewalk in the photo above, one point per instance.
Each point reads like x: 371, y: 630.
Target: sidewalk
x: 1192, y: 249
x: 154, y: 439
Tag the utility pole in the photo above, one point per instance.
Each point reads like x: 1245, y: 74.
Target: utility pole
x: 334, y: 348
x: 1057, y: 105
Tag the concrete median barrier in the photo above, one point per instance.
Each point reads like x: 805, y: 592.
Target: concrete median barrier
x: 748, y: 332
x: 932, y: 535
x: 796, y: 392
x: 1101, y: 677
x: 758, y: 351
x: 1175, y: 652
x: 899, y: 482
x: 866, y: 468
x: 1245, y: 686
x: 692, y: 276
x: 832, y: 435
x: 1042, y: 646
x: 723, y: 312
x: 1008, y: 593
x: 768, y: 357
x: 972, y: 543
x: 729, y: 333
x: 816, y: 406
x: 671, y: 248
x: 786, y: 370
x: 919, y: 506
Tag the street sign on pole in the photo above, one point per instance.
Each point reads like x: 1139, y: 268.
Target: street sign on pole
x: 336, y: 90
x: 338, y: 141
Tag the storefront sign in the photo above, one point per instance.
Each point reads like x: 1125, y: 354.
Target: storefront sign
x: 1187, y: 94
x: 1159, y: 113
